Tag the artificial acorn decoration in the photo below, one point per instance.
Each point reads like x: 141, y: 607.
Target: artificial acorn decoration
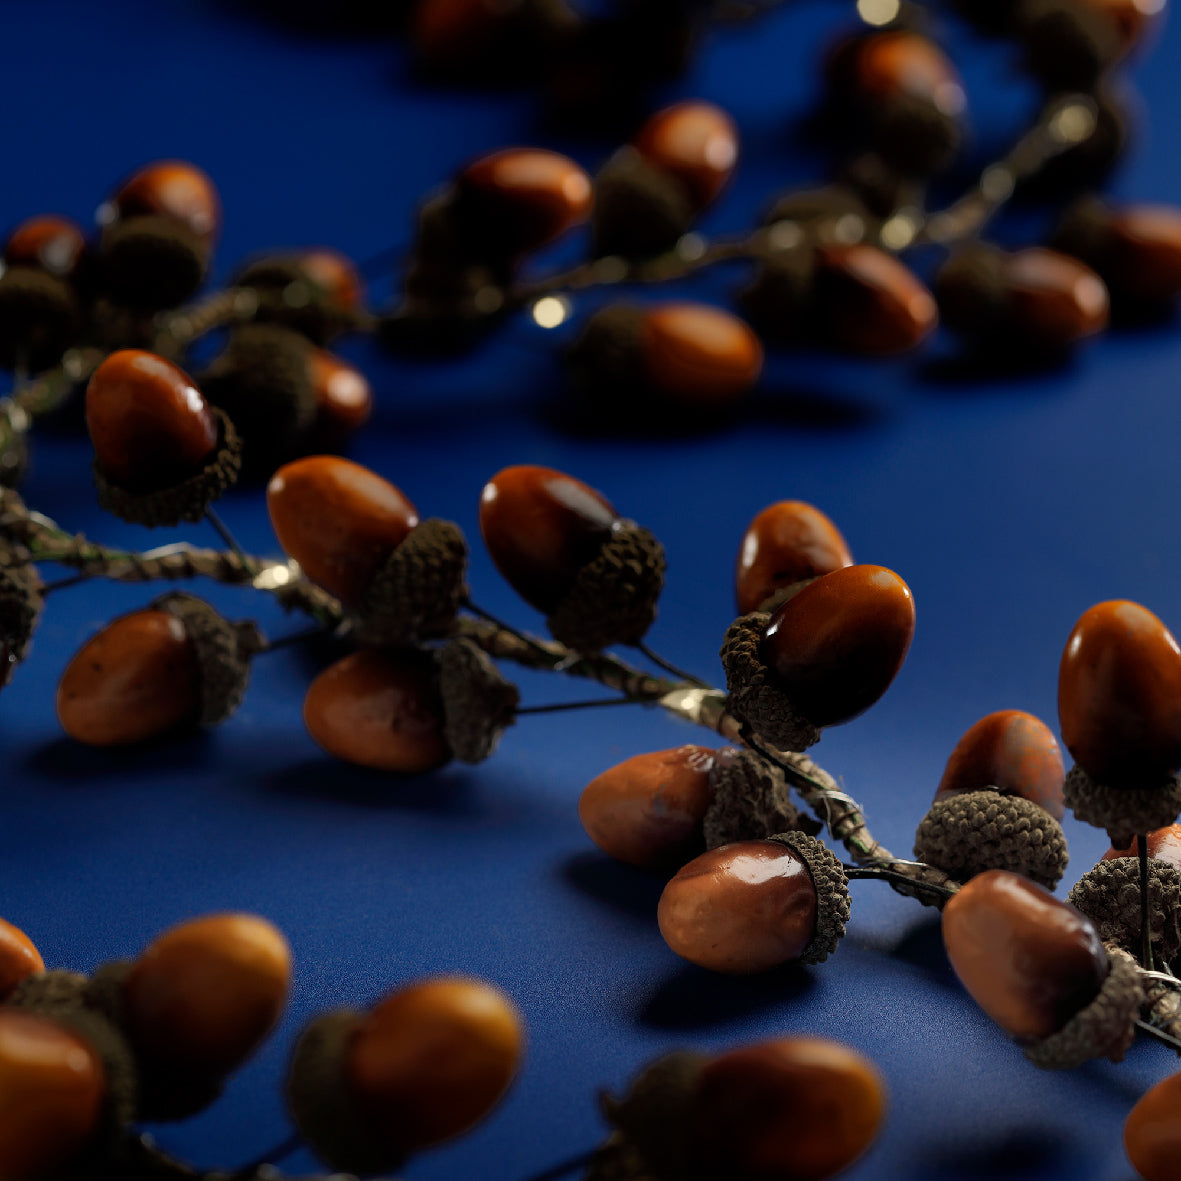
x: 19, y: 958
x: 317, y: 292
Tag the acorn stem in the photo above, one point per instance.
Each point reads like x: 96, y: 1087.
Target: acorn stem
x: 894, y: 876
x: 668, y: 666
x: 1160, y: 1035
x: 223, y: 531
x: 590, y: 703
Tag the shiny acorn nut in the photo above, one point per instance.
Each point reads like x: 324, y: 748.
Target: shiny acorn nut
x: 336, y: 275
x: 697, y: 142
x: 52, y: 1088
x: 792, y: 1109
x: 1152, y: 1132
x: 698, y: 355
x: 870, y: 303
x: 1132, y: 18
x: 173, y: 189
x: 19, y: 958
x: 380, y: 710
x: 339, y: 521
x: 138, y: 678
x: 786, y: 543
x: 344, y: 397
x: 205, y: 994
x: 740, y: 908
x: 1119, y: 696
x: 836, y: 646
x: 1164, y: 844
x: 897, y: 63
x: 53, y: 244
x: 648, y: 809
x: 1030, y: 961
x: 541, y: 527
x: 1012, y: 752
x: 1053, y: 300
x: 150, y: 425
x: 433, y: 1059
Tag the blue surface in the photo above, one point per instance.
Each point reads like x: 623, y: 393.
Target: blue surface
x: 1008, y: 505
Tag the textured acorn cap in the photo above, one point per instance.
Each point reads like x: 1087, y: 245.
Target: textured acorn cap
x: 1068, y: 45
x: 605, y: 360
x: 39, y: 318
x: 966, y: 833
x: 1103, y: 1029
x: 479, y: 704
x: 151, y: 262
x: 832, y: 893
x: 1109, y: 895
x: 186, y: 501
x: 751, y: 800
x: 915, y: 136
x: 1123, y: 811
x: 777, y: 299
x: 613, y: 599
x: 322, y: 1108
x: 289, y: 296
x: 970, y: 289
x: 639, y: 210
x: 418, y: 590
x: 1083, y: 230
x: 756, y: 699
x: 21, y: 603
x: 223, y: 649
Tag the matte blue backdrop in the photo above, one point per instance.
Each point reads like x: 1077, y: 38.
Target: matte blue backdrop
x: 1009, y: 505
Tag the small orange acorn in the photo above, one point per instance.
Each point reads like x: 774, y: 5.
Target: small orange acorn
x: 1152, y: 1131
x: 19, y: 958
x: 694, y: 141
x: 49, y: 243
x: 173, y: 189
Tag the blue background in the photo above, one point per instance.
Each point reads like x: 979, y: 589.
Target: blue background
x: 1009, y: 505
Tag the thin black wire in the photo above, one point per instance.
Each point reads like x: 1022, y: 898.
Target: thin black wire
x: 668, y: 666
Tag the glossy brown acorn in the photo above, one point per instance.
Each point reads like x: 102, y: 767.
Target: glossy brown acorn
x: 344, y: 397
x: 19, y: 958
x: 868, y: 302
x: 205, y: 994
x: 648, y: 809
x: 740, y: 908
x: 339, y: 521
x: 837, y: 645
x: 49, y: 243
x: 786, y: 543
x: 1119, y: 696
x: 695, y: 141
x: 1152, y: 1132
x: 541, y: 527
x: 1013, y: 752
x: 150, y: 425
x: 433, y: 1059
x: 1053, y: 300
x: 336, y: 275
x: 380, y: 710
x: 52, y: 1087
x: 792, y: 1109
x: 1164, y: 844
x: 1028, y: 960
x: 137, y: 678
x: 170, y: 188
x: 896, y: 63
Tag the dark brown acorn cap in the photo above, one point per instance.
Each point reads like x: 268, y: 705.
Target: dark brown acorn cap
x: 1083, y: 230
x: 1088, y: 164
x: 640, y: 210
x: 186, y: 501
x: 613, y: 599
x: 21, y: 603
x: 970, y: 289
x: 1123, y: 811
x: 417, y: 592
x: 151, y: 262
x: 1109, y: 895
x: 605, y: 360
x: 968, y: 832
x: 1103, y: 1029
x: 777, y: 299
x: 755, y: 697
x: 832, y: 893
x: 479, y: 704
x: 46, y: 992
x: 1068, y: 45
x: 751, y: 800
x: 39, y: 318
x: 915, y: 136
x: 880, y: 185
x: 223, y: 649
x: 808, y: 206
x: 289, y: 296
x: 322, y: 1108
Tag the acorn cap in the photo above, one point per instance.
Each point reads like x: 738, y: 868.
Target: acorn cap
x: 777, y: 299
x: 970, y: 289
x: 639, y: 210
x: 806, y: 206
x: 1103, y: 1029
x: 418, y: 590
x: 223, y: 649
x: 1083, y: 231
x: 605, y: 360
x: 966, y: 833
x: 751, y: 800
x: 151, y: 262
x: 21, y: 603
x: 1123, y: 811
x: 1109, y: 895
x: 479, y: 704
x: 613, y: 599
x: 186, y: 501
x: 756, y: 699
x: 289, y: 296
x: 39, y: 318
x: 1068, y: 45
x: 324, y: 1111
x: 915, y: 136
x: 832, y: 893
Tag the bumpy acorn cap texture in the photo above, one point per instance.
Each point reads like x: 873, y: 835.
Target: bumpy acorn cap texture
x: 186, y: 501
x: 39, y: 318
x: 915, y: 135
x: 605, y: 359
x: 418, y: 590
x: 151, y: 262
x: 479, y: 704
x: 1103, y: 1029
x: 751, y: 800
x: 966, y: 833
x: 1109, y: 895
x: 223, y: 652
x: 755, y: 697
x: 1068, y: 45
x: 613, y: 599
x: 970, y: 289
x: 1124, y: 812
x: 639, y: 210
x: 776, y: 300
x: 832, y: 893
x: 21, y: 603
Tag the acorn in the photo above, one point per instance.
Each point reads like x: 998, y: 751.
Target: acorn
x: 1151, y: 1136
x: 317, y: 292
x: 19, y: 958
x: 564, y: 549
x: 1071, y: 44
x: 343, y: 399
x: 423, y: 1066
